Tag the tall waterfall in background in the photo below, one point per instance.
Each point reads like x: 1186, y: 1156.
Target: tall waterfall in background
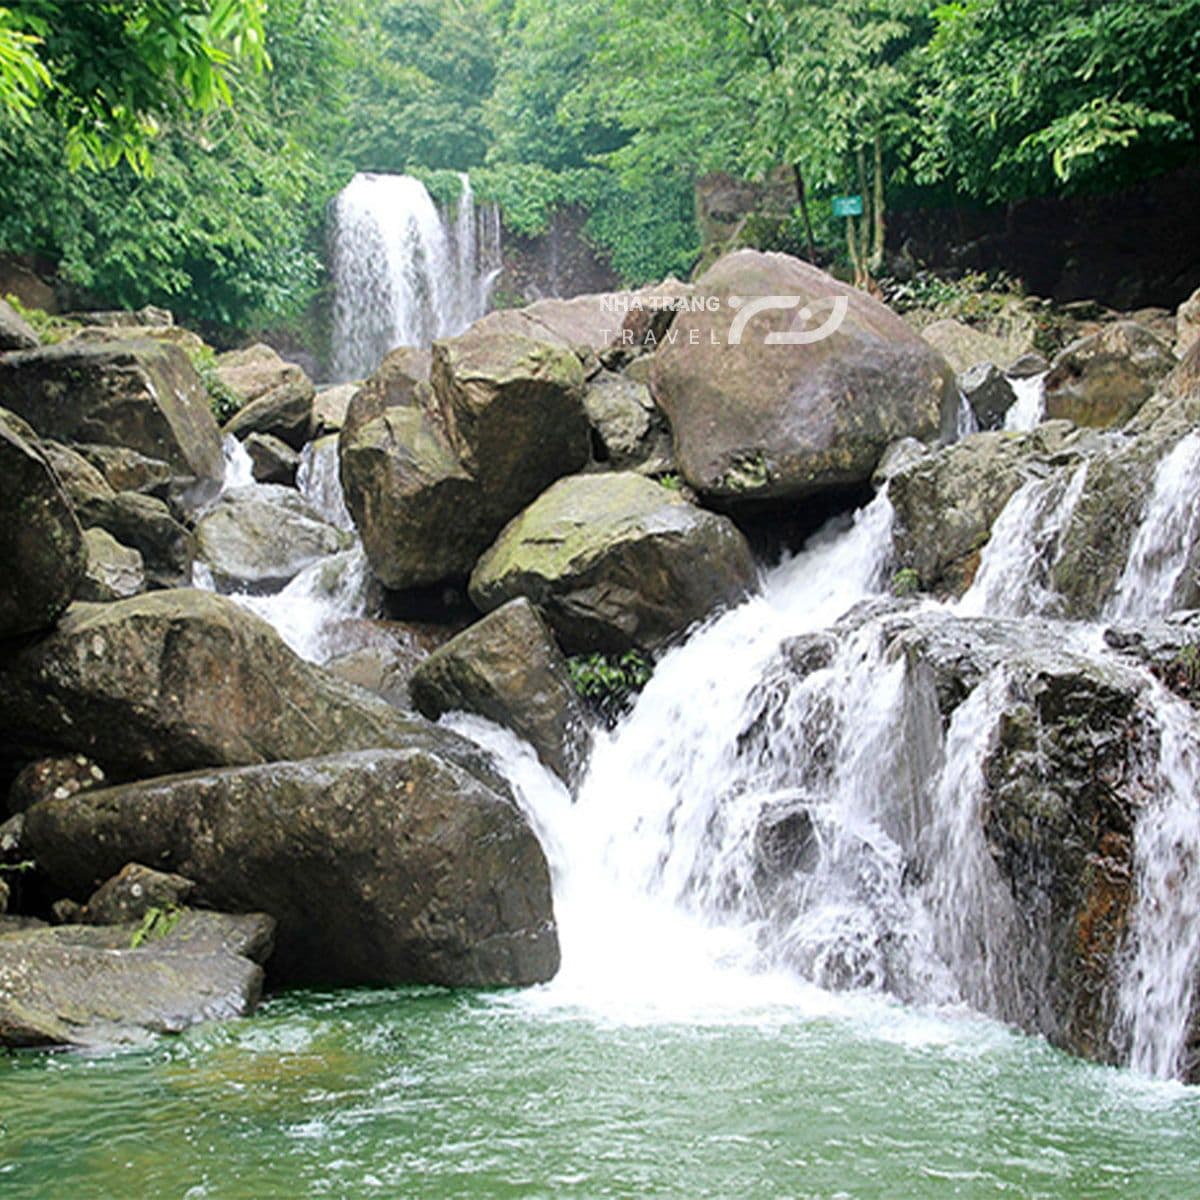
x: 405, y: 272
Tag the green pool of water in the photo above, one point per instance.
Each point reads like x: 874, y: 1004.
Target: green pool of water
x: 423, y: 1093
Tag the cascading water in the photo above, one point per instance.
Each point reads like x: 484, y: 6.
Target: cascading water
x: 404, y: 272
x: 1029, y: 409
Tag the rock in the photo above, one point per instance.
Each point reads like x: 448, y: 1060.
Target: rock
x: 277, y: 395
x: 586, y: 323
x: 128, y: 471
x: 4, y: 895
x: 380, y: 867
x: 430, y: 485
x: 616, y: 562
x: 652, y: 311
x: 173, y: 681
x: 55, y: 778
x: 1027, y: 366
x: 947, y: 502
x: 274, y: 461
x: 989, y: 394
x: 66, y: 912
x: 146, y: 524
x: 508, y: 668
x: 41, y: 543
x: 330, y: 406
x: 129, y: 895
x: 964, y: 346
x: 1102, y: 380
x: 1187, y: 325
x: 394, y: 385
x: 113, y: 572
x: 142, y: 395
x: 82, y: 481
x: 176, y: 335
x: 896, y: 458
x: 15, y: 332
x: 258, y: 538
x: 755, y: 421
x: 125, y: 318
x: 81, y: 986
x: 630, y: 432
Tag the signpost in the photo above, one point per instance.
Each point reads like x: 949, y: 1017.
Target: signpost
x: 847, y: 206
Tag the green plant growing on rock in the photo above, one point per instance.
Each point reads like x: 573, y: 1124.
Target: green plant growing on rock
x: 223, y: 401
x: 672, y: 481
x: 158, y: 923
x: 906, y: 582
x: 608, y: 682
x: 50, y: 329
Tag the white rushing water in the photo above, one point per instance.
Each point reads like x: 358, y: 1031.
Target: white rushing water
x: 1029, y: 410
x: 403, y: 271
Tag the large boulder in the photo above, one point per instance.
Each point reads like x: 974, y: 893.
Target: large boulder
x: 145, y: 523
x: 143, y: 395
x: 276, y: 396
x: 95, y: 986
x: 394, y: 385
x: 381, y: 867
x: 258, y: 538
x: 629, y: 431
x: 15, y: 332
x: 41, y: 543
x: 172, y: 681
x: 758, y: 421
x: 431, y: 484
x: 1102, y: 380
x: 508, y: 668
x: 616, y: 562
x: 965, y: 346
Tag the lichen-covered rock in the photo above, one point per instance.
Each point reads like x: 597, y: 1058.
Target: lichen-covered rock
x: 755, y: 420
x: 60, y: 777
x: 508, y: 668
x: 15, y: 332
x: 257, y: 539
x: 41, y: 543
x: 145, y: 523
x: 172, y: 681
x: 1187, y: 325
x: 128, y: 471
x: 133, y: 892
x: 143, y: 395
x: 113, y: 571
x: 630, y: 431
x: 616, y: 562
x: 393, y: 385
x: 431, y: 484
x: 1102, y: 380
x: 277, y: 396
x: 90, y: 986
x: 381, y: 867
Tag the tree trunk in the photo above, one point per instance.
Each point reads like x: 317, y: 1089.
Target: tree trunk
x: 802, y: 201
x: 876, y: 260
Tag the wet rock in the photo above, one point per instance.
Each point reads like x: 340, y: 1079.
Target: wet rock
x: 113, y: 572
x: 41, y: 543
x: 142, y: 395
x: 431, y: 484
x: 82, y: 986
x: 257, y: 539
x: 394, y: 385
x: 15, y: 332
x: 989, y: 394
x: 132, y: 893
x: 274, y: 461
x: 1102, y: 380
x: 144, y: 523
x: 754, y: 421
x: 380, y: 867
x: 277, y: 396
x: 172, y: 681
x: 128, y: 471
x: 616, y: 562
x: 508, y: 668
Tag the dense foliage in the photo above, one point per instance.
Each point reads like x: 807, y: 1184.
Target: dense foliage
x: 184, y: 151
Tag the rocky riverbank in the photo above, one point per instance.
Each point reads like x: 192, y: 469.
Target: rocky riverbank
x: 579, y: 478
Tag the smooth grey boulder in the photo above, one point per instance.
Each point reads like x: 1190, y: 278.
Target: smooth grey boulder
x: 90, y: 986
x: 143, y: 395
x: 616, y: 562
x: 258, y: 538
x: 380, y: 867
x: 757, y: 419
x: 41, y: 543
x: 508, y: 668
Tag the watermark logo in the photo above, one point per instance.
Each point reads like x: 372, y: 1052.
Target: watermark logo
x: 788, y: 337
x: 745, y: 309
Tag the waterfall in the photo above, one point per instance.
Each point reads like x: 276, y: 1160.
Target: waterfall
x: 403, y: 271
x: 1029, y: 409
x: 318, y: 480
x: 1158, y: 557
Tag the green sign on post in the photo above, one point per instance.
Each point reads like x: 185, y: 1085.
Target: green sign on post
x: 847, y: 206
